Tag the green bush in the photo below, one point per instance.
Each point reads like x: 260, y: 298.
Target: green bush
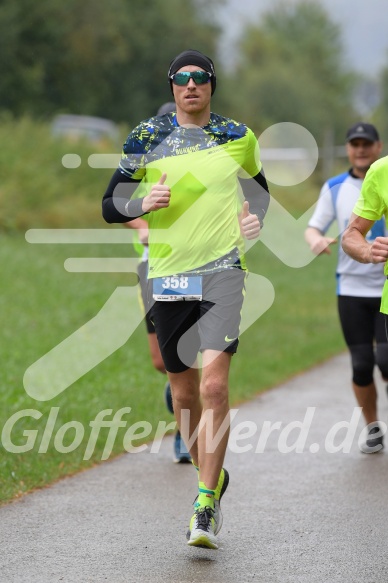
x: 38, y: 191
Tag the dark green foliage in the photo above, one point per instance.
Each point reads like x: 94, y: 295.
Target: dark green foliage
x: 93, y: 57
x: 295, y: 53
x: 381, y: 118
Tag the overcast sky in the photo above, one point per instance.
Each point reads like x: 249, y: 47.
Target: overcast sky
x: 364, y: 27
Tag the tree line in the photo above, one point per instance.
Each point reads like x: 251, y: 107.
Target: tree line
x: 110, y: 59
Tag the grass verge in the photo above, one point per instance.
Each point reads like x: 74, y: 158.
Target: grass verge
x: 44, y: 304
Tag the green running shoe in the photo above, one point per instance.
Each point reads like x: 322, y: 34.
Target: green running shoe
x: 201, y: 533
x: 223, y: 482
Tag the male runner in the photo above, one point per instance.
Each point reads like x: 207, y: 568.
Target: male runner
x: 192, y: 162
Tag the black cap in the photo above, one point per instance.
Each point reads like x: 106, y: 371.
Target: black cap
x: 363, y: 130
x: 166, y: 108
x: 193, y: 57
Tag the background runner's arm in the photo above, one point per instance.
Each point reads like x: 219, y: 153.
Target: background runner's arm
x: 117, y: 206
x: 256, y: 192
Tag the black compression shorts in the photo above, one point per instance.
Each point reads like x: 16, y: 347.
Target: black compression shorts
x: 364, y: 329
x: 361, y: 320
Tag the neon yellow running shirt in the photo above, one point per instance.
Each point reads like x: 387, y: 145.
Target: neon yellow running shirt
x: 203, y: 166
x: 373, y: 204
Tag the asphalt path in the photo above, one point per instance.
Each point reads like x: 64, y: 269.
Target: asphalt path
x: 303, y: 505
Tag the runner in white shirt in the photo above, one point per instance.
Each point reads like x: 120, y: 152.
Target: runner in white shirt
x: 359, y: 286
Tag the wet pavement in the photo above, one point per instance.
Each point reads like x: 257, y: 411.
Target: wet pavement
x: 304, y: 505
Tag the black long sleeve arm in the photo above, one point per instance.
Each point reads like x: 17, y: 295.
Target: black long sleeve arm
x: 256, y: 192
x: 117, y: 206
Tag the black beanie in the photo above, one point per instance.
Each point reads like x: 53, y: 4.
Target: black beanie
x: 192, y: 57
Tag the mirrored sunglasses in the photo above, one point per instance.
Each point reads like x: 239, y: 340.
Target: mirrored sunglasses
x: 199, y: 77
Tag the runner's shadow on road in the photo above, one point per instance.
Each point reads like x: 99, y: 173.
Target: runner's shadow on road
x: 203, y: 556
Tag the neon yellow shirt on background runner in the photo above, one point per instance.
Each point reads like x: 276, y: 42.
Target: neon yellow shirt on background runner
x: 373, y: 204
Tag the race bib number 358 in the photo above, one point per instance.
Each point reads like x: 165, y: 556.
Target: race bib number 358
x: 177, y: 288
